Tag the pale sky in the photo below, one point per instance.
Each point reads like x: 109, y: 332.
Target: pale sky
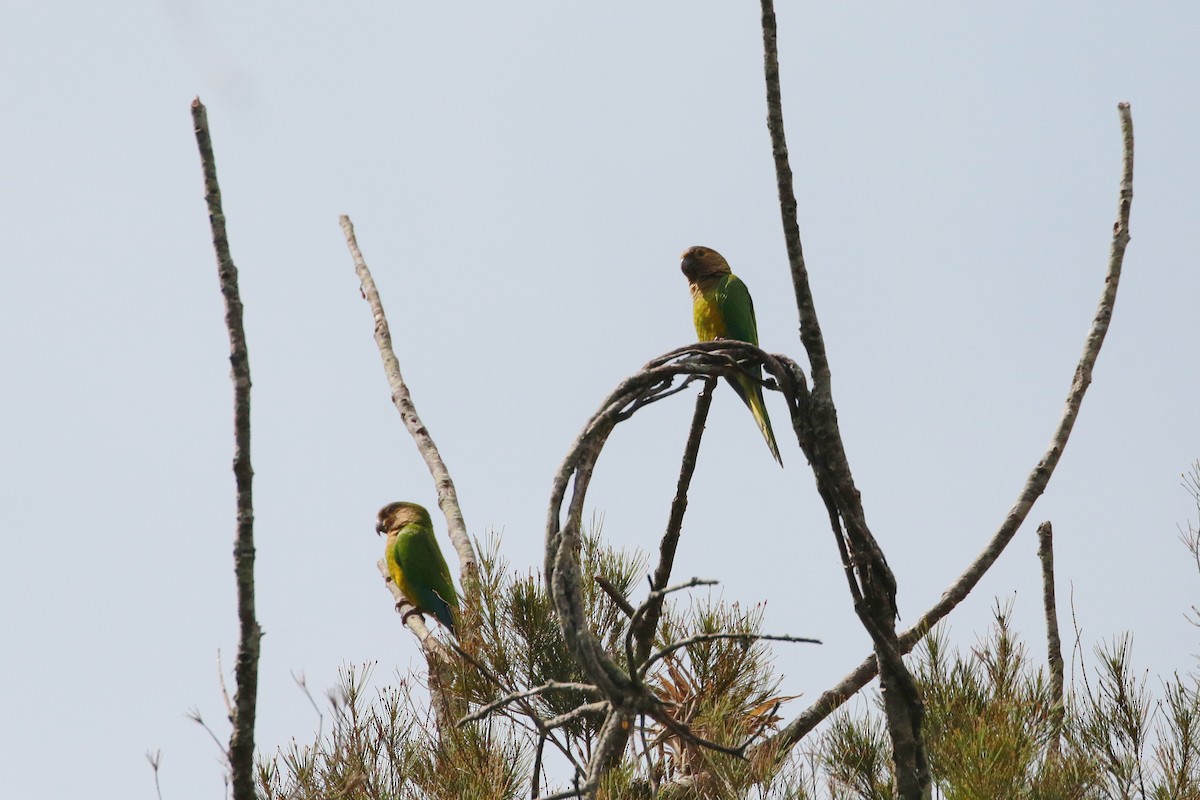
x: 523, y: 177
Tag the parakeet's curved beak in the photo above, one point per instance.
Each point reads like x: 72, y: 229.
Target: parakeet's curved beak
x: 379, y: 528
x: 684, y: 263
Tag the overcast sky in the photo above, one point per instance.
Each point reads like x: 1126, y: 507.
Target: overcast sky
x: 523, y: 177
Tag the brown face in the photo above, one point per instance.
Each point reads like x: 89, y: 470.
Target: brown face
x: 702, y: 262
x: 394, y: 516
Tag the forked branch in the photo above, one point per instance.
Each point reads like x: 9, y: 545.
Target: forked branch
x: 1035, y: 484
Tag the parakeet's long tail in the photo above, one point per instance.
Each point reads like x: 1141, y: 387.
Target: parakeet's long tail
x: 444, y: 614
x: 751, y: 394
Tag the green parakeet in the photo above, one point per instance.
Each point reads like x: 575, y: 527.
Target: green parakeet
x: 722, y: 309
x: 416, y: 563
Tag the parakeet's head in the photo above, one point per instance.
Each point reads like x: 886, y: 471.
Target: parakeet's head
x: 395, y: 516
x: 698, y: 263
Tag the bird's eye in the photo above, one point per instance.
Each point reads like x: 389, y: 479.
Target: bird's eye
x: 700, y: 252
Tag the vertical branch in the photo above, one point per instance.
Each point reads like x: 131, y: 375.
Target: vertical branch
x: 810, y: 328
x: 447, y: 496
x: 1053, y: 642
x: 643, y: 632
x: 872, y: 584
x: 241, y: 742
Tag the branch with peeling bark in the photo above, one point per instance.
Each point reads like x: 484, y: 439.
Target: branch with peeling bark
x: 402, y: 398
x: 437, y: 654
x: 241, y: 743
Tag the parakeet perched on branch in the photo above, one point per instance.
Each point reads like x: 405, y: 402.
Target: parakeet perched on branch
x: 416, y: 563
x: 722, y: 309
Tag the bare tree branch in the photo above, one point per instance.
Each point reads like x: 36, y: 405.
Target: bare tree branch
x: 447, y: 497
x: 581, y: 790
x: 241, y: 742
x: 155, y: 760
x: 575, y: 713
x: 1034, y: 485
x: 872, y: 584
x: 712, y: 637
x: 810, y: 328
x: 550, y: 686
x: 626, y: 696
x: 1053, y: 642
x: 615, y: 595
x: 643, y: 633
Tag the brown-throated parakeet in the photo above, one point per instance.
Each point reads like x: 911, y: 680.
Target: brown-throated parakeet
x: 722, y: 309
x: 415, y: 561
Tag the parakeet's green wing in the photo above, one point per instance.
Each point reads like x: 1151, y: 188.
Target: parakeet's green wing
x: 738, y: 309
x: 426, y: 574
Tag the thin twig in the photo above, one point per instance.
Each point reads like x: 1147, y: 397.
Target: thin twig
x: 194, y: 715
x: 542, y: 728
x: 685, y: 732
x: 549, y: 686
x: 402, y: 398
x: 155, y: 760
x: 1035, y: 484
x: 302, y: 682
x: 535, y: 782
x: 584, y: 710
x: 614, y: 594
x: 653, y: 600
x: 712, y: 637
x: 653, y: 398
x: 230, y: 711
x: 651, y: 771
x: 581, y: 790
x: 241, y: 742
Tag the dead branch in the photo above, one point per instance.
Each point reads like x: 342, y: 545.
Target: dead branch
x: 550, y: 686
x: 1035, y: 484
x: 626, y: 695
x: 402, y: 398
x: 713, y: 637
x: 1053, y: 642
x: 643, y: 633
x: 241, y: 742
x: 872, y: 584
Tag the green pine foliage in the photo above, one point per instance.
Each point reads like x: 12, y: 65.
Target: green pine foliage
x: 993, y: 729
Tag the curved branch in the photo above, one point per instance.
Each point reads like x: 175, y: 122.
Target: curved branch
x: 626, y: 695
x: 447, y: 497
x: 1035, y: 484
